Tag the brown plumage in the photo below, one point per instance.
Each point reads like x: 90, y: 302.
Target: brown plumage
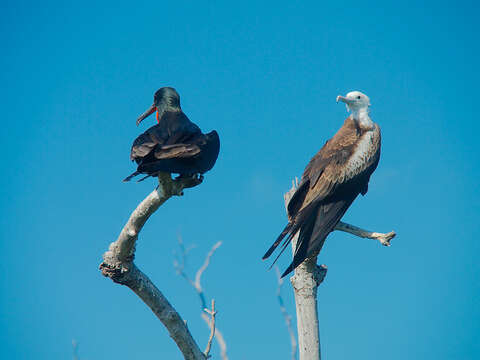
x: 330, y: 183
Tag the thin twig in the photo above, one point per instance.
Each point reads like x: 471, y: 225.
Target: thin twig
x: 75, y: 349
x: 201, y: 270
x: 286, y: 315
x: 179, y: 265
x: 212, y: 314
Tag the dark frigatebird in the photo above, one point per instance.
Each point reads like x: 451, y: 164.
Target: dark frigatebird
x: 331, y: 181
x: 175, y: 144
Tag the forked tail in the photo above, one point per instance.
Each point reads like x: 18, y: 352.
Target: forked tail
x: 131, y: 176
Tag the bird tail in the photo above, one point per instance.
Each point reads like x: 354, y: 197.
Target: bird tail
x: 317, y: 221
x: 132, y: 175
x: 143, y: 178
x: 285, y: 231
x: 302, y: 224
x: 290, y: 230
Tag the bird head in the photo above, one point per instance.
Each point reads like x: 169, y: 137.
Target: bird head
x: 165, y: 98
x: 355, y: 101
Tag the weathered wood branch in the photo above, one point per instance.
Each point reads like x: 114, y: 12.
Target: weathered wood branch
x: 305, y: 281
x: 180, y: 268
x: 355, y: 230
x: 286, y: 315
x: 118, y: 264
x: 212, y: 314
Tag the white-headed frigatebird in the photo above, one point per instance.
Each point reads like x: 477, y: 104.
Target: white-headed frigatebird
x: 175, y: 144
x: 332, y: 180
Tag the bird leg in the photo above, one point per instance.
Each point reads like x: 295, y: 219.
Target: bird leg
x: 383, y: 238
x: 189, y: 181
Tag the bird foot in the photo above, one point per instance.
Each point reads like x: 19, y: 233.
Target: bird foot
x: 190, y: 180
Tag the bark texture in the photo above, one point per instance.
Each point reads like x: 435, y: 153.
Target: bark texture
x: 305, y: 281
x: 118, y: 264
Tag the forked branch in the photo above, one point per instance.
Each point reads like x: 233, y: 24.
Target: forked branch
x: 179, y: 264
x: 118, y: 264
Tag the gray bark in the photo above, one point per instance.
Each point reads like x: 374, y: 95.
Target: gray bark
x: 305, y: 281
x: 118, y: 265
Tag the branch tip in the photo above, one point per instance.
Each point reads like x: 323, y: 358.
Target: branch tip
x: 212, y: 328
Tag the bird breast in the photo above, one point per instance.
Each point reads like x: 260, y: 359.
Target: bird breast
x: 365, y: 150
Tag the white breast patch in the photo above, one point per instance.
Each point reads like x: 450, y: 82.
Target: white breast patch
x: 363, y: 153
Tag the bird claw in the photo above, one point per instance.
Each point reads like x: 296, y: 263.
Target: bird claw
x: 190, y: 181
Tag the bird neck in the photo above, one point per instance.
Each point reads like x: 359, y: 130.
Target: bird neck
x: 166, y: 108
x: 362, y: 118
x: 171, y: 108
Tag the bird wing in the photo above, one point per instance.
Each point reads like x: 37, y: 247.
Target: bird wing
x: 177, y: 151
x: 343, y: 160
x: 318, y: 221
x: 331, y: 181
x: 173, y: 129
x: 143, y: 145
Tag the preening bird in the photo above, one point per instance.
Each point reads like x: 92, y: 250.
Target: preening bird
x: 175, y: 144
x: 331, y: 181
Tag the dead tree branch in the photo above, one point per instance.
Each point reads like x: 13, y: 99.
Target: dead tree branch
x: 305, y: 281
x: 179, y: 265
x: 383, y: 238
x: 118, y: 264
x: 286, y: 315
x: 75, y: 350
x: 212, y: 313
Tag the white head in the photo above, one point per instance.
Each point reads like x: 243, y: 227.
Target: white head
x: 355, y: 100
x: 358, y: 104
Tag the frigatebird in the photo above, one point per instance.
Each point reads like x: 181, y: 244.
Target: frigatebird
x: 175, y: 144
x: 332, y: 180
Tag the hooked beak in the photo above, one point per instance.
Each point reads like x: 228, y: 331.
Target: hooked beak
x: 147, y: 113
x: 344, y: 99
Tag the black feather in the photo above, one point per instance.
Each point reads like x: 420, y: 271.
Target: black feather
x: 132, y: 175
x: 175, y: 144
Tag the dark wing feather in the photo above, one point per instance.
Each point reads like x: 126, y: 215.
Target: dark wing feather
x: 315, y: 229
x: 173, y: 128
x: 177, y: 151
x: 142, y: 146
x: 327, y: 189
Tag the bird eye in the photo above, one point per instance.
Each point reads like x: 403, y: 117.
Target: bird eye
x: 358, y: 97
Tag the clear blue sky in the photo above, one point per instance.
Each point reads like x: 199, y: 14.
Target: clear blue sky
x: 265, y: 76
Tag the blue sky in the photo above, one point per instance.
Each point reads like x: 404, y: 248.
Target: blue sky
x: 265, y: 75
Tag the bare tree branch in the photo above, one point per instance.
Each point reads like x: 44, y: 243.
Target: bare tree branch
x: 118, y: 264
x: 200, y: 271
x: 222, y: 344
x: 179, y: 265
x: 286, y: 315
x: 75, y: 349
x: 212, y: 313
x: 305, y: 281
x: 383, y: 238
